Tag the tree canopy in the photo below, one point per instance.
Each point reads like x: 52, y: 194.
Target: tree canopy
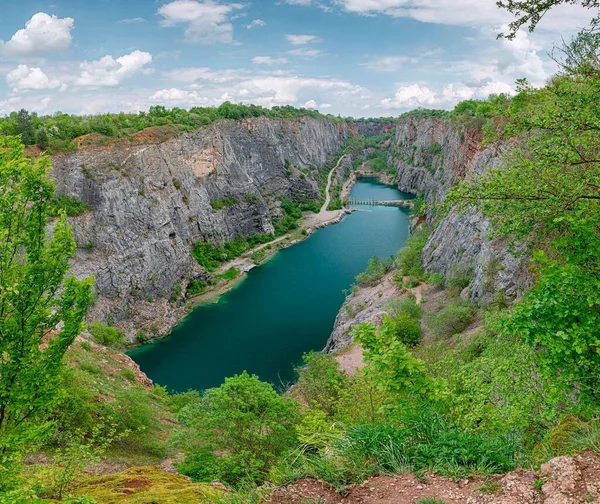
x: 41, y: 311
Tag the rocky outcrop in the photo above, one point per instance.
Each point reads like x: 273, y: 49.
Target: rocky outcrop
x: 151, y: 203
x: 566, y: 480
x: 431, y: 156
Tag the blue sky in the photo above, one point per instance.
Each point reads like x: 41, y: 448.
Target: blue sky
x: 349, y: 57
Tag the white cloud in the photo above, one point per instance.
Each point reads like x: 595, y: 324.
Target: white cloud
x: 108, y: 71
x: 302, y: 39
x: 267, y: 60
x: 458, y: 12
x: 23, y: 78
x: 207, y: 22
x: 42, y: 34
x: 178, y: 95
x: 312, y: 104
x: 135, y: 20
x: 415, y: 95
x: 307, y: 53
x: 390, y: 63
x: 410, y: 96
x: 256, y: 24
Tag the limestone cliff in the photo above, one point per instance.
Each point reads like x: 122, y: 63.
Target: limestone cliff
x: 430, y: 156
x: 151, y: 203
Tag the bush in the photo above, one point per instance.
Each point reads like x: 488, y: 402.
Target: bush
x: 437, y: 280
x: 70, y: 205
x: 454, y: 318
x: 409, y: 257
x: 405, y: 305
x: 407, y: 329
x: 106, y: 335
x: 320, y: 381
x: 459, y: 277
x: 230, y: 274
x: 196, y: 287
x: 245, y: 423
x: 219, y: 204
x: 375, y: 270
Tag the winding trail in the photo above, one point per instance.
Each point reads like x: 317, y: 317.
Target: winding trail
x: 310, y: 222
x: 329, y: 179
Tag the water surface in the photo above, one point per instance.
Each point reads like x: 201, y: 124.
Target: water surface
x: 284, y: 308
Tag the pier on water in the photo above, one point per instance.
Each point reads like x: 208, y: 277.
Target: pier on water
x: 391, y: 203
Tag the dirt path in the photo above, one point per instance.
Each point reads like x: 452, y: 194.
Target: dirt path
x: 310, y: 222
x: 329, y: 178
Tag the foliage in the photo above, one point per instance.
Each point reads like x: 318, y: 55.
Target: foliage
x: 407, y: 328
x: 419, y: 205
x: 376, y: 268
x: 81, y: 451
x: 409, y: 257
x: 320, y: 381
x: 69, y: 205
x: 389, y: 363
x: 453, y: 318
x: 219, y: 204
x: 559, y: 316
x: 106, y: 335
x: 378, y: 160
x: 39, y: 305
x: 547, y: 197
x: 196, y: 287
x: 459, y: 277
x: 58, y: 131
x: 246, y: 423
x: 530, y: 12
x: 230, y: 274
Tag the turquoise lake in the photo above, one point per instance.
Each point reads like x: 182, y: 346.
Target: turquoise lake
x: 284, y: 308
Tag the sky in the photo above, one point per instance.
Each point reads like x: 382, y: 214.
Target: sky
x: 361, y: 58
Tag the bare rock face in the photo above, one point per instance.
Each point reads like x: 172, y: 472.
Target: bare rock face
x: 431, y: 156
x: 151, y: 203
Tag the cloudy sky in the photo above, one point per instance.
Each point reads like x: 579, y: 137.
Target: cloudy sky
x: 349, y: 57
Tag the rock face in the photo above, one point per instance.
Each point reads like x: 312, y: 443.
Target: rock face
x: 151, y: 203
x: 430, y: 156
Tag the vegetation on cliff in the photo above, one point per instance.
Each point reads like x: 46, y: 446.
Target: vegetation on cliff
x: 516, y: 388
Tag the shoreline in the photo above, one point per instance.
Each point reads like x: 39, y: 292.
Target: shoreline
x: 310, y: 223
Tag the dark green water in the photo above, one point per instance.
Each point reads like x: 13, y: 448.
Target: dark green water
x: 284, y: 308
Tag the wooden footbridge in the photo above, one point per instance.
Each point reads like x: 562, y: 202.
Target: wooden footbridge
x: 392, y: 203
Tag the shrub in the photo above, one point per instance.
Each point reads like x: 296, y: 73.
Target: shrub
x: 459, y: 277
x: 405, y: 305
x: 437, y: 280
x: 375, y: 270
x: 244, y: 421
x: 409, y: 257
x: 106, y: 335
x: 219, y: 204
x: 454, y: 318
x: 230, y: 274
x: 196, y: 287
x: 257, y: 256
x: 320, y: 381
x: 70, y: 205
x: 407, y: 328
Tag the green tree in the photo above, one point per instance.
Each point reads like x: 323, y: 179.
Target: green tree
x: 547, y: 196
x: 530, y: 12
x: 389, y: 363
x: 41, y: 311
x: 244, y: 423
